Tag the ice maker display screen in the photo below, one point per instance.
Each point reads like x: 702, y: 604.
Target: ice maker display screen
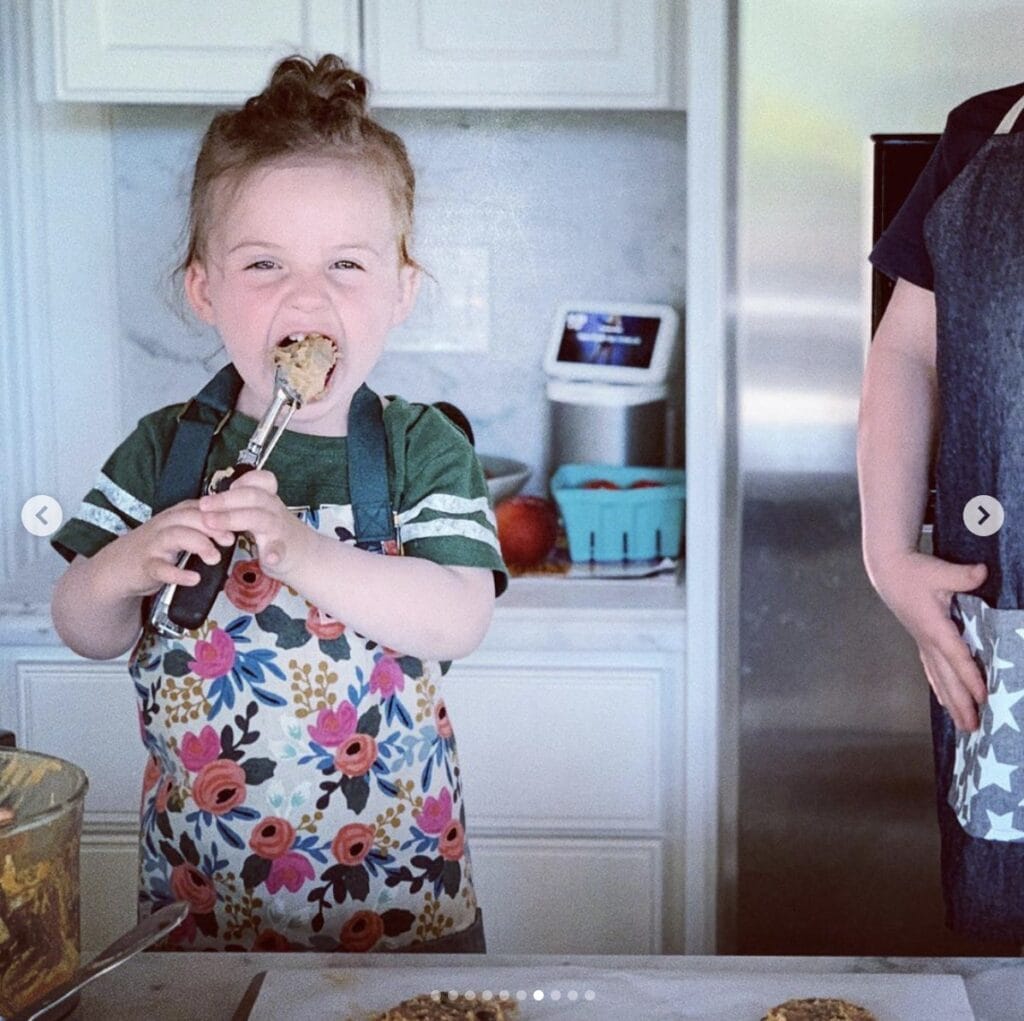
x: 593, y: 338
x: 612, y: 343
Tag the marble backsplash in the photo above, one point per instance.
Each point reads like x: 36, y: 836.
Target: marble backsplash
x: 517, y: 211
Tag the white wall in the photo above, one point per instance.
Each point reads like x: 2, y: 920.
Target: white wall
x: 531, y: 208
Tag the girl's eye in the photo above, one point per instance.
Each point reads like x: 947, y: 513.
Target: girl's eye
x: 261, y: 264
x: 345, y: 264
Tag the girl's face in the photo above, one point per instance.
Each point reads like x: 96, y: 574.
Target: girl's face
x: 301, y: 248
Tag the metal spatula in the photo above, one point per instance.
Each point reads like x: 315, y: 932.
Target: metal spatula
x: 145, y: 934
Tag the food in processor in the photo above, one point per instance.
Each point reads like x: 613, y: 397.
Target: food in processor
x: 818, y: 1008
x: 306, y: 361
x: 445, y: 1007
x: 43, y: 800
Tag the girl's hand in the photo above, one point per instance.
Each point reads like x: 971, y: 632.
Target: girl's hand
x: 147, y: 557
x: 918, y: 589
x: 252, y: 505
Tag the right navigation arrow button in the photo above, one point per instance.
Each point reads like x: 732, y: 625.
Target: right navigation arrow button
x: 983, y: 515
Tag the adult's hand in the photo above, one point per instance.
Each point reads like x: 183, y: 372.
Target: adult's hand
x: 918, y: 589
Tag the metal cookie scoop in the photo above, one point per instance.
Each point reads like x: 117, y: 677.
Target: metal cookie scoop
x: 180, y: 609
x: 265, y: 436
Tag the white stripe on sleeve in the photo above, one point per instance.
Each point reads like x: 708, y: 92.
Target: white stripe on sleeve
x: 102, y: 518
x: 123, y: 500
x: 447, y: 503
x: 447, y: 528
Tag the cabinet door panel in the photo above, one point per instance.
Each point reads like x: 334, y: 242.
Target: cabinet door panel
x: 85, y: 713
x: 569, y: 897
x: 611, y: 53
x: 108, y: 876
x: 558, y: 749
x: 189, y: 50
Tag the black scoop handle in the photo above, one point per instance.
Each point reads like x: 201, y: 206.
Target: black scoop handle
x: 191, y: 604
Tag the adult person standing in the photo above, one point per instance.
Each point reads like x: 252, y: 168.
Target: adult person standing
x: 944, y: 385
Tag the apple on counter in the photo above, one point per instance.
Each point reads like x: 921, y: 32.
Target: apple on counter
x: 527, y: 529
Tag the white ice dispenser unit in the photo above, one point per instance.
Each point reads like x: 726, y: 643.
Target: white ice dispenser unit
x: 611, y: 392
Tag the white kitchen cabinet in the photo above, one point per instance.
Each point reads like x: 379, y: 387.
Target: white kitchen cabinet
x: 417, y: 53
x: 558, y: 748
x: 84, y: 711
x: 569, y: 720
x: 562, y: 766
x: 565, y: 896
x: 520, y: 53
x: 185, y: 51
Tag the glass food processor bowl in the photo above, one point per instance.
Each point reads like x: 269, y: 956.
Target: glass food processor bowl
x: 41, y: 804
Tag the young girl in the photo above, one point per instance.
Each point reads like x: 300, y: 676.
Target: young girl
x: 302, y: 789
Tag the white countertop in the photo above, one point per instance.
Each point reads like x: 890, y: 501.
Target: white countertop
x: 659, y: 601
x: 187, y: 986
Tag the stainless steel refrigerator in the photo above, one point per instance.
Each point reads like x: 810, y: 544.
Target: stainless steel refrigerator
x: 837, y: 847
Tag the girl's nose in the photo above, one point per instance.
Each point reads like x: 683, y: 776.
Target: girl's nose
x: 308, y: 292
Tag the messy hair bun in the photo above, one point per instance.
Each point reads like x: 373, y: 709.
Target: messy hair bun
x: 329, y: 97
x: 307, y: 109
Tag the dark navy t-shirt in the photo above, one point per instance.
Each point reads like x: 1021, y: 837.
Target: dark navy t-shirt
x: 900, y: 251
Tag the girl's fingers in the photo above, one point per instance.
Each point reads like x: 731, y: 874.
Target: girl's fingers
x: 178, y: 539
x: 252, y: 489
x: 271, y: 553
x: 245, y: 519
x: 164, y: 573
x: 260, y: 479
x: 190, y: 517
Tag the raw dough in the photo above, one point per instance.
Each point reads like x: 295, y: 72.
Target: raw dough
x: 306, y: 359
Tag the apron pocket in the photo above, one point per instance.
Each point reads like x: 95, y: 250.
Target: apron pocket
x: 987, y: 788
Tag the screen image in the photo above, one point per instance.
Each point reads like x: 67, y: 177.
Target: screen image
x: 595, y: 338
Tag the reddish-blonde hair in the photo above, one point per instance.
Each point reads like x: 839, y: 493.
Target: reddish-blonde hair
x: 307, y: 111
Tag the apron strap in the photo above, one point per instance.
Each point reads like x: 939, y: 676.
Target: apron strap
x: 198, y: 422
x: 368, y: 472
x: 204, y: 416
x: 1008, y: 121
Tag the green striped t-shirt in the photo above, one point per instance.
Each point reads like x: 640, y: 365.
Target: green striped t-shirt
x: 437, y: 485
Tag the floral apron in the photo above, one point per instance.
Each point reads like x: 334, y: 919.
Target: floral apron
x: 302, y: 790
x: 975, y: 238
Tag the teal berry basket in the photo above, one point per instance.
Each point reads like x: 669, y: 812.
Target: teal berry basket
x: 605, y: 525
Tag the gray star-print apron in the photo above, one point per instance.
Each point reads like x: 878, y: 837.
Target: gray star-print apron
x: 975, y: 238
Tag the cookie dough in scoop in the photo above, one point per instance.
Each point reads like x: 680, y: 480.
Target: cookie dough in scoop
x: 306, y: 361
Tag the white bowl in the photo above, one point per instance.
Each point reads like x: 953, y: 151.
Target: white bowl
x: 505, y: 477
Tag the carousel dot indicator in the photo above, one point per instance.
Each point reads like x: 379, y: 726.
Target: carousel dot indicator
x: 572, y: 995
x: 538, y: 994
x: 589, y: 994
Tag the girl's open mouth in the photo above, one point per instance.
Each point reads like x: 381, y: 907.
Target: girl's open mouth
x: 307, y: 361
